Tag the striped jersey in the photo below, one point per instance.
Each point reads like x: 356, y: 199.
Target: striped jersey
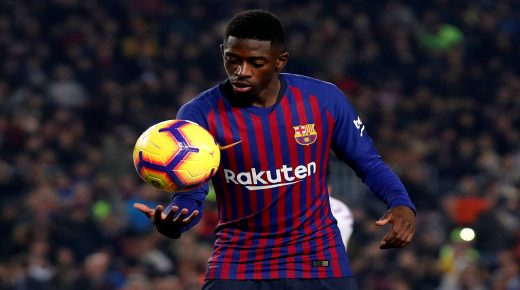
x: 275, y: 219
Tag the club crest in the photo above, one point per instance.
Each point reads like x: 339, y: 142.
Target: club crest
x: 305, y: 134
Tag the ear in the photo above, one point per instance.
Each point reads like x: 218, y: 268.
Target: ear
x: 281, y: 61
x: 222, y: 48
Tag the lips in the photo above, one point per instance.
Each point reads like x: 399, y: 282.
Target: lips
x: 241, y: 87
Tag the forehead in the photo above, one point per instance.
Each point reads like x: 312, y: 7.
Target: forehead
x: 250, y: 47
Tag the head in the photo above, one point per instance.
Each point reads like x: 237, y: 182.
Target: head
x: 254, y: 52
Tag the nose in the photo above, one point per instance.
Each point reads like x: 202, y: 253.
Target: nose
x: 243, y: 70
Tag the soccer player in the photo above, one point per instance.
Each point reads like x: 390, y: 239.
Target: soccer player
x: 275, y: 130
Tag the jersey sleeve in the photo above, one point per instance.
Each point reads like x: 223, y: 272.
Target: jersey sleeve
x: 192, y: 112
x: 194, y: 199
x: 351, y: 142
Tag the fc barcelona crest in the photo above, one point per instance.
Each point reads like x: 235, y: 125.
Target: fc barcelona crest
x: 305, y: 134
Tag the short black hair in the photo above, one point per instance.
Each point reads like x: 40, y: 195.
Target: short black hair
x: 256, y: 24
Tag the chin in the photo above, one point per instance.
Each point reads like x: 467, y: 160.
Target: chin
x: 248, y: 93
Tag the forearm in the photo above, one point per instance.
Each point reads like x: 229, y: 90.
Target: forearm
x: 187, y: 200
x: 382, y: 181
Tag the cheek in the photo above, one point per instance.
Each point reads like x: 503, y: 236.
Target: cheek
x: 227, y: 68
x: 265, y: 76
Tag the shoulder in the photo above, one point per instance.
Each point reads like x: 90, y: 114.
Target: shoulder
x: 198, y: 108
x: 203, y: 102
x: 306, y: 82
x: 329, y: 97
x: 327, y: 92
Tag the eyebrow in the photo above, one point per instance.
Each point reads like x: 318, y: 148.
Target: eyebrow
x: 249, y: 58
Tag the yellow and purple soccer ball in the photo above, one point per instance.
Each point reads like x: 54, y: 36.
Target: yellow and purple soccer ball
x: 176, y: 155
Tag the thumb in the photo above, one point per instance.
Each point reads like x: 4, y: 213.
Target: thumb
x: 384, y: 220
x: 144, y: 209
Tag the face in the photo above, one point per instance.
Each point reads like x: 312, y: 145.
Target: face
x: 252, y: 66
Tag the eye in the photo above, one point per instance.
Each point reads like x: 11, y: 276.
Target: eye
x: 231, y: 59
x: 258, y: 64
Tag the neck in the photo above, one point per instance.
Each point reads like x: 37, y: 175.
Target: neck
x: 268, y: 97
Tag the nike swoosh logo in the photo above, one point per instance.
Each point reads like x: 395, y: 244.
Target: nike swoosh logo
x: 224, y: 147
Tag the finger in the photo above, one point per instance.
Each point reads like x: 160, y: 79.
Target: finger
x: 181, y: 215
x: 403, y: 242
x: 397, y: 242
x: 408, y: 235
x: 382, y: 222
x: 144, y: 209
x: 386, y: 219
x: 406, y: 230
x: 157, y: 217
x: 192, y: 216
x: 386, y: 243
x: 389, y: 239
x: 409, y: 238
x: 402, y: 235
x: 171, y: 214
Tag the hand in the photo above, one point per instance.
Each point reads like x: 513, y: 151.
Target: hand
x: 169, y: 224
x: 402, y: 219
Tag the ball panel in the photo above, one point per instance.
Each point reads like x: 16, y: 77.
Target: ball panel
x: 176, y: 155
x: 157, y: 147
x: 159, y: 179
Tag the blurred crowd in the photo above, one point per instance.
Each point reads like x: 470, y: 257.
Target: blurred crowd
x: 437, y: 84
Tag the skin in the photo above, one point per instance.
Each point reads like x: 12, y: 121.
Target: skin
x: 252, y: 67
x: 164, y: 223
x: 402, y: 231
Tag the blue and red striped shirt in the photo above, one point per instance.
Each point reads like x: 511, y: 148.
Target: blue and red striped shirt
x: 271, y: 187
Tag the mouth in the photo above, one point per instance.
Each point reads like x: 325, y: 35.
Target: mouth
x: 241, y: 87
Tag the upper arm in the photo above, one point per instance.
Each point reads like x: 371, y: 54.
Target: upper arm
x: 350, y: 140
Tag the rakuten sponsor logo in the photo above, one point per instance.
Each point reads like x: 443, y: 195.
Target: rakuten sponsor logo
x: 256, y: 180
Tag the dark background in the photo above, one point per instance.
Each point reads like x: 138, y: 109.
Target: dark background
x: 436, y: 83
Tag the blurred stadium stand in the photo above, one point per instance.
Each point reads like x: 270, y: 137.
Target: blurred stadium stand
x: 437, y: 83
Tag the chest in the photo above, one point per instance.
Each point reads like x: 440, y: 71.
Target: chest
x: 291, y: 135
